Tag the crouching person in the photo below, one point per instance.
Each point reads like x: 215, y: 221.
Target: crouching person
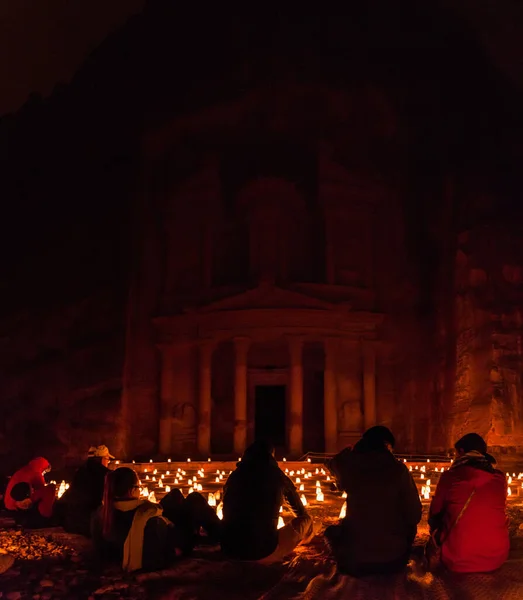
x: 30, y: 496
x: 383, y: 508
x: 467, y: 517
x: 252, y: 498
x: 135, y: 532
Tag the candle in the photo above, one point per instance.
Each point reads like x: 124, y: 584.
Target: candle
x: 319, y: 495
x: 303, y: 500
x: 302, y: 488
x: 211, y: 500
x: 188, y: 460
x: 167, y: 489
x: 168, y: 460
x: 343, y: 511
x: 208, y: 460
x: 281, y: 523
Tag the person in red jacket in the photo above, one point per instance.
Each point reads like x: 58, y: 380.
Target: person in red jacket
x: 477, y: 541
x: 42, y: 494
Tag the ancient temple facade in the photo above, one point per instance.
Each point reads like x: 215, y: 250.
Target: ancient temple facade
x: 270, y: 294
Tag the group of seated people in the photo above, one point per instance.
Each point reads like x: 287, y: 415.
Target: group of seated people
x: 467, y: 517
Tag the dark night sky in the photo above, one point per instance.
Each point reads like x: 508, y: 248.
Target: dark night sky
x: 45, y: 41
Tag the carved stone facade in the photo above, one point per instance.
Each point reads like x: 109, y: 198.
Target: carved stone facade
x: 259, y: 271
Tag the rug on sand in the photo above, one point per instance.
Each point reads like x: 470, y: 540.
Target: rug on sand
x: 505, y: 584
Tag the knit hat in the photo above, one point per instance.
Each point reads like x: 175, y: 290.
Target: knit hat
x: 99, y: 452
x: 473, y: 442
x: 379, y: 434
x: 21, y: 491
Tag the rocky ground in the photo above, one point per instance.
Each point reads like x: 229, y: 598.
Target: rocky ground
x: 51, y: 564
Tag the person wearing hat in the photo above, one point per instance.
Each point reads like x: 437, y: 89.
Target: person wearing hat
x: 383, y: 507
x: 85, y: 493
x: 467, y: 515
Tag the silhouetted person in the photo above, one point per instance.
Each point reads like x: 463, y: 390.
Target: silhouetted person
x: 252, y: 498
x: 85, y: 493
x: 36, y: 491
x: 473, y: 490
x: 138, y: 533
x: 383, y: 507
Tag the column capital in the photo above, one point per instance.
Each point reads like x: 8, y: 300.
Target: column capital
x: 241, y: 343
x: 295, y: 345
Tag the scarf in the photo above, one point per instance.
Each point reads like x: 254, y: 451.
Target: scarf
x: 474, y: 459
x: 133, y: 547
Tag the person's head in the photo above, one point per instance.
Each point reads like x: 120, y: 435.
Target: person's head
x: 473, y: 442
x: 21, y: 494
x: 379, y: 438
x: 121, y: 484
x: 259, y: 450
x: 100, y: 454
x: 40, y: 464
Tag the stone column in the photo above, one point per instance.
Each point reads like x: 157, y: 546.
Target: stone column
x: 330, y: 398
x: 295, y: 411
x: 369, y: 384
x: 204, y: 393
x: 241, y: 347
x: 166, y: 399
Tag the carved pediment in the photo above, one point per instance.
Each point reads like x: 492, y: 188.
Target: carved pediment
x: 269, y: 296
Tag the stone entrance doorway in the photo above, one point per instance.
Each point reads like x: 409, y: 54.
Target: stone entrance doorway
x: 270, y: 414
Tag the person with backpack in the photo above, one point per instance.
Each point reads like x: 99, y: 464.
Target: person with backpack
x: 467, y: 517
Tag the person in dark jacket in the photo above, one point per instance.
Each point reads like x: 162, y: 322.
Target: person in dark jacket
x: 138, y: 533
x: 85, y: 493
x: 468, y: 512
x: 252, y: 498
x: 383, y: 508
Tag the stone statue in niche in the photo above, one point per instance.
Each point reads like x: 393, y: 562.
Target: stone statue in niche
x: 273, y: 206
x: 184, y: 417
x: 350, y: 417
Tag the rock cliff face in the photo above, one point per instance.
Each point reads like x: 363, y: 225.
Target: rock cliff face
x: 420, y: 109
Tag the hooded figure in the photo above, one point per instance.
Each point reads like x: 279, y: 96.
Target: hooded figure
x: 42, y: 495
x: 383, y: 507
x: 473, y: 490
x: 252, y: 498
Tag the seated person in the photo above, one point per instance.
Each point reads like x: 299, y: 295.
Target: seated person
x: 136, y: 533
x: 252, y: 498
x: 468, y: 511
x: 383, y: 508
x: 27, y: 513
x: 85, y: 493
x: 42, y: 495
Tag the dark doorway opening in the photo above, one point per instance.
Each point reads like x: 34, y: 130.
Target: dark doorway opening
x: 269, y: 415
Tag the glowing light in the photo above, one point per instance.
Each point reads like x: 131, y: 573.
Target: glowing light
x: 160, y: 483
x: 188, y: 460
x: 281, y: 509
x: 319, y: 495
x: 284, y: 459
x: 298, y: 480
x: 302, y: 488
x: 509, y: 492
x: 147, y: 477
x: 343, y: 511
x: 219, y: 511
x: 150, y: 460
x: 217, y: 480
x: 209, y: 460
x: 117, y: 462
x: 190, y: 490
x: 303, y: 500
x: 167, y: 489
x: 308, y: 460
x: 509, y: 479
x: 167, y: 473
x: 344, y: 495
x: 281, y: 523
x: 211, y: 500
x: 168, y: 460
x: 199, y: 487
x: 152, y: 497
